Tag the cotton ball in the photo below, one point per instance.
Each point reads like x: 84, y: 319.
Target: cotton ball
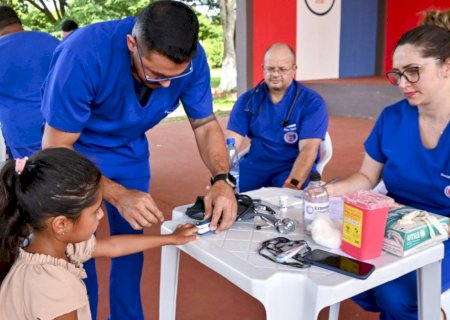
x: 326, y: 232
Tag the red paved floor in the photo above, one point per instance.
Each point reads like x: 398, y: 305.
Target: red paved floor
x: 178, y: 177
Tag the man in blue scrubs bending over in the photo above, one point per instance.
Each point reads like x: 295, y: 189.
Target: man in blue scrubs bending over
x: 108, y: 84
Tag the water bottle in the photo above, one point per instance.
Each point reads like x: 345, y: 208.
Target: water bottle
x: 233, y: 157
x: 316, y: 201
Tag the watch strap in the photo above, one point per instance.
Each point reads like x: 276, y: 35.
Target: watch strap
x: 294, y: 182
x: 227, y: 177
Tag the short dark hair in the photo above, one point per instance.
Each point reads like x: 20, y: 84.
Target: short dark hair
x: 69, y: 25
x: 431, y: 40
x: 170, y: 28
x: 8, y: 16
x: 53, y: 182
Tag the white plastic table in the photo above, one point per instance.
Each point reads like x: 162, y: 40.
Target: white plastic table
x: 286, y: 292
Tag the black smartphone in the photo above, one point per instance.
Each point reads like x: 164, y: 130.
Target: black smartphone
x: 335, y: 262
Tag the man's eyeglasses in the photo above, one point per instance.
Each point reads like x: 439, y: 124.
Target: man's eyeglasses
x: 280, y: 70
x: 411, y: 74
x: 189, y: 69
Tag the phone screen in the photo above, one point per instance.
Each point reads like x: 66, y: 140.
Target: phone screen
x: 341, y: 264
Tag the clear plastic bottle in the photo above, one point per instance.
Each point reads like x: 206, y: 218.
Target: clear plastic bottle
x: 316, y: 201
x: 233, y: 157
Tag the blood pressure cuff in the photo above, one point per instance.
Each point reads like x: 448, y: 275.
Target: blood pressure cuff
x: 246, y: 208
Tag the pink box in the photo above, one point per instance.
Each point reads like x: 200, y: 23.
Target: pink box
x: 365, y: 215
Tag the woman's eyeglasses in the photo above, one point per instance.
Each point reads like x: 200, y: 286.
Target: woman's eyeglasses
x: 148, y: 79
x: 411, y: 74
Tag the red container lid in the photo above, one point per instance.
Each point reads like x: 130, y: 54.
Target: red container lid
x: 368, y: 200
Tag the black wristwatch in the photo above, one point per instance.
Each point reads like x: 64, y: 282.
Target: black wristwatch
x: 227, y: 177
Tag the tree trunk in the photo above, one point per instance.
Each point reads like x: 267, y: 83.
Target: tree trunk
x: 228, y: 19
x: 59, y: 9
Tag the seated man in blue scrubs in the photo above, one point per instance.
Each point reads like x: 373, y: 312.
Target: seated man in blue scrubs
x: 285, y: 122
x: 24, y: 61
x: 109, y: 83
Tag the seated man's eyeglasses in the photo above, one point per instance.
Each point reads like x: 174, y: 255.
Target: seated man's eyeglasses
x: 411, y: 74
x: 273, y: 70
x: 148, y: 79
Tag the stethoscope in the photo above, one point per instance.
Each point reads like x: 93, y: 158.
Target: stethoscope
x: 287, y: 118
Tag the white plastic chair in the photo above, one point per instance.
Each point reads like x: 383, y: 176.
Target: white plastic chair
x: 326, y: 152
x: 381, y: 188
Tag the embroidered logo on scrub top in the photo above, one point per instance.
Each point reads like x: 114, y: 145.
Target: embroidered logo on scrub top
x: 447, y: 191
x: 290, y: 135
x: 447, y: 188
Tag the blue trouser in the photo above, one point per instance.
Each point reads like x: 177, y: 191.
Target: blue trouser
x: 397, y: 299
x: 255, y: 173
x: 91, y: 286
x: 125, y: 276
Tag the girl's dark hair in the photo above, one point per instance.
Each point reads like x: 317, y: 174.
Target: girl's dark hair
x: 53, y: 182
x: 170, y: 28
x: 432, y: 41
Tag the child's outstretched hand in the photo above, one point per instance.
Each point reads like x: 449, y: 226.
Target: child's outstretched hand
x: 185, y: 233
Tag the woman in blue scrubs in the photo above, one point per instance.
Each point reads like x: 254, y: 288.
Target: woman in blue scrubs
x: 108, y: 84
x: 409, y: 148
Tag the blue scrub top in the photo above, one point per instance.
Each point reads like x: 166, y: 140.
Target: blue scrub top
x: 90, y: 89
x: 24, y: 62
x: 413, y: 175
x: 254, y: 115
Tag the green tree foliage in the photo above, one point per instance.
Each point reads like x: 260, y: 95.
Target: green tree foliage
x: 211, y: 6
x: 90, y: 11
x: 211, y: 30
x: 52, y: 10
x: 32, y: 19
x: 35, y: 20
x: 41, y: 15
x: 210, y: 36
